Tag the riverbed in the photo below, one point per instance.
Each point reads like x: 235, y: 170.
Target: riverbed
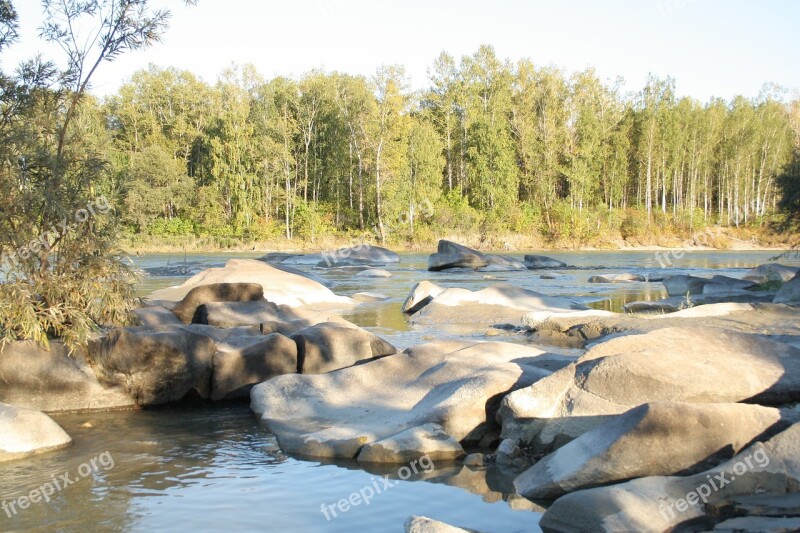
x: 209, y: 468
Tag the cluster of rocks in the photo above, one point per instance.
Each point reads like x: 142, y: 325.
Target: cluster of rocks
x: 450, y: 255
x: 357, y: 255
x: 625, y: 433
x: 213, y: 337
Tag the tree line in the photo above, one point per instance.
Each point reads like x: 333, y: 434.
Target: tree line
x: 492, y: 144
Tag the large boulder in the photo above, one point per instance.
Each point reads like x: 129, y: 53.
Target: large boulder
x: 155, y: 365
x: 156, y: 315
x: 681, y: 284
x: 667, y: 503
x: 654, y: 439
x: 25, y: 432
x: 501, y: 303
x: 329, y: 346
x: 453, y: 255
x: 683, y: 364
x: 269, y: 316
x: 790, y: 292
x: 421, y: 295
x: 51, y: 379
x: 427, y: 440
x: 535, y: 262
x: 454, y: 384
x: 216, y: 292
x: 236, y: 370
x: 279, y: 287
x: 771, y: 272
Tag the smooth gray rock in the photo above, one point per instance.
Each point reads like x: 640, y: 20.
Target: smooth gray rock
x: 654, y: 439
x: 683, y: 364
x: 421, y: 295
x: 216, y: 292
x: 279, y: 287
x: 359, y: 254
x: 681, y: 285
x: 422, y: 524
x: 534, y: 262
x: 236, y: 371
x: 771, y: 272
x: 370, y: 297
x: 617, y: 278
x: 663, y: 503
x: 330, y: 346
x: 427, y: 440
x: 25, y: 432
x: 155, y: 365
x: 453, y: 255
x: 281, y: 318
x: 790, y: 292
x: 454, y: 384
x: 156, y: 315
x: 52, y: 380
x: 374, y: 273
x: 502, y: 263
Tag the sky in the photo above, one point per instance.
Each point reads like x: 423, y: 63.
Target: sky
x: 713, y: 48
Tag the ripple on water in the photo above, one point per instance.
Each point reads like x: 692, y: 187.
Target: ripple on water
x: 208, y: 469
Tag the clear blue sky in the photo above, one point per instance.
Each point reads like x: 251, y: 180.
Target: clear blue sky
x: 711, y: 47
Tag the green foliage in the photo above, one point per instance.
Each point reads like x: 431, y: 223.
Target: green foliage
x: 63, y: 276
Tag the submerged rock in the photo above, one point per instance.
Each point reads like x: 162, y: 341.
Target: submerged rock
x: 654, y: 439
x: 534, y: 262
x: 279, y: 287
x: 686, y: 364
x: 374, y: 273
x: 427, y: 440
x: 370, y: 297
x: 25, y: 432
x: 502, y: 263
x: 617, y: 278
x: 360, y: 254
x: 453, y: 384
x: 423, y: 524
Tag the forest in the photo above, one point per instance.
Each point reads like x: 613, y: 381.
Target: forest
x: 490, y: 147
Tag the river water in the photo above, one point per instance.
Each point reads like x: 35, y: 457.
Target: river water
x: 213, y: 468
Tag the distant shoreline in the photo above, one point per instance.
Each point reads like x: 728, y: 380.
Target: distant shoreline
x: 520, y: 244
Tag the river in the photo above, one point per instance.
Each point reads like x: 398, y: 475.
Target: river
x: 210, y: 468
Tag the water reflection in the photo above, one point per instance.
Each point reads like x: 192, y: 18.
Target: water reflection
x: 215, y: 469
